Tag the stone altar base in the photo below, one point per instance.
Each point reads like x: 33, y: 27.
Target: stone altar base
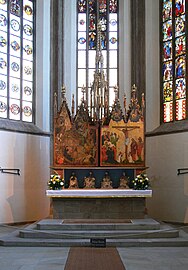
x: 98, y: 203
x: 98, y: 208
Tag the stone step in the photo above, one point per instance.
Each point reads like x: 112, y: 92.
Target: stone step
x: 13, y: 239
x: 135, y: 224
x: 121, y: 234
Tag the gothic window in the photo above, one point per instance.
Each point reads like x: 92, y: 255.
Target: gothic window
x: 89, y: 14
x: 174, y: 60
x: 17, y: 59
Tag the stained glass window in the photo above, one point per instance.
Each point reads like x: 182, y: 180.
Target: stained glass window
x: 16, y: 59
x: 89, y: 13
x: 174, y: 60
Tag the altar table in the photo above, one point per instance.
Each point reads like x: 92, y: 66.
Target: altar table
x: 98, y: 203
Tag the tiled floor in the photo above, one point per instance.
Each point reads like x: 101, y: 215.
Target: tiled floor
x: 54, y: 258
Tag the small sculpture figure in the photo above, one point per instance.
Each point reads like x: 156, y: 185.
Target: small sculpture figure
x: 73, y: 183
x: 106, y: 182
x: 89, y: 182
x: 123, y: 181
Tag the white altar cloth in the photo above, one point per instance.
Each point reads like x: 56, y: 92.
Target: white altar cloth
x: 98, y: 193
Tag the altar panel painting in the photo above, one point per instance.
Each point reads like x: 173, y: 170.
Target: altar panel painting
x: 122, y: 144
x: 75, y: 142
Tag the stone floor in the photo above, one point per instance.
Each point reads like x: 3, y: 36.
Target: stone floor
x: 52, y: 258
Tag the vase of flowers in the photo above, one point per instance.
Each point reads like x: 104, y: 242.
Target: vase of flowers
x: 141, y: 182
x: 55, y: 182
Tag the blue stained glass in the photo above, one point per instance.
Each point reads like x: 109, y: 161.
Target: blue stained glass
x: 15, y: 25
x: 113, y: 22
x: 180, y: 7
x: 3, y: 63
x: 180, y: 67
x: 92, y: 40
x: 2, y: 85
x: 15, y: 45
x: 167, y: 71
x: 82, y: 40
x: 180, y: 88
x: 15, y: 67
x: 3, y: 20
x: 167, y: 50
x: 113, y: 40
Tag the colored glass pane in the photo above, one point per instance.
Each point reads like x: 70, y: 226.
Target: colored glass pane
x: 167, y: 71
x: 103, y: 41
x: 27, y: 111
x: 167, y: 30
x: 91, y: 59
x: 113, y: 59
x: 168, y: 112
x: 81, y: 22
x: 180, y: 7
x: 103, y: 20
x: 3, y: 21
x: 81, y: 40
x: 180, y: 109
x: 180, y: 25
x: 3, y: 42
x: 81, y: 77
x: 104, y: 11
x: 15, y: 7
x: 167, y: 10
x: 3, y: 107
x: 3, y: 63
x: 180, y: 45
x: 167, y: 91
x: 92, y: 40
x: 167, y: 50
x: 15, y: 49
x: 112, y: 22
x: 3, y: 4
x: 92, y: 22
x: 180, y: 66
x: 180, y: 88
x: 92, y: 6
x: 81, y: 6
x: 102, y: 6
x: 81, y: 59
x: 27, y: 90
x: 113, y: 6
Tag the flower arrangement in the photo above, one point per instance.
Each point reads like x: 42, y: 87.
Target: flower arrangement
x: 55, y: 182
x: 141, y: 182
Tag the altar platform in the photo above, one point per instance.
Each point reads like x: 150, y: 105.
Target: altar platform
x: 98, y: 203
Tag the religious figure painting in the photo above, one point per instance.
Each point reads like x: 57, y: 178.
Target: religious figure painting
x: 122, y: 144
x: 75, y: 142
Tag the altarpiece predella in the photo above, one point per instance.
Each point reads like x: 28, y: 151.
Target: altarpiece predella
x: 117, y: 139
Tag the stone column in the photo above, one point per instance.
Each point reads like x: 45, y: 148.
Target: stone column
x: 138, y: 75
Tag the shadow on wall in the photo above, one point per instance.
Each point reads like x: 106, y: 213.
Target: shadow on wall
x: 28, y: 201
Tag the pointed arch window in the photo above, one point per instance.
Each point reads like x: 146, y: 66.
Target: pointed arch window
x: 89, y: 13
x: 17, y: 45
x: 174, y: 21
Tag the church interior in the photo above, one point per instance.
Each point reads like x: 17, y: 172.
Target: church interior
x: 109, y: 120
